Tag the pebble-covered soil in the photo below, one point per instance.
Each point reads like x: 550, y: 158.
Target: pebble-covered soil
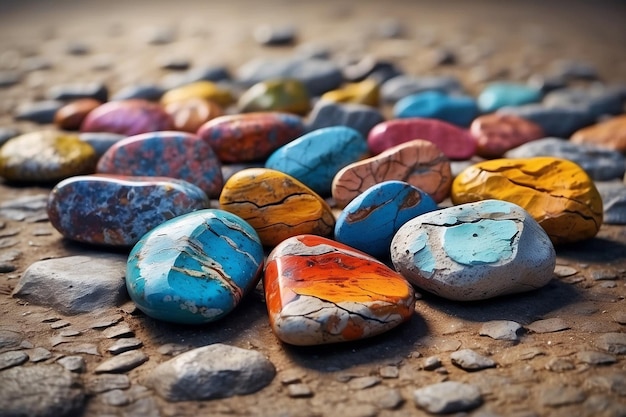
x: 556, y: 351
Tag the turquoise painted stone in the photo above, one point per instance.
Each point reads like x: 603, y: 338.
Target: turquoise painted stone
x: 503, y: 94
x: 458, y: 110
x: 195, y: 268
x: 117, y: 210
x: 474, y: 251
x: 316, y: 157
x: 370, y: 221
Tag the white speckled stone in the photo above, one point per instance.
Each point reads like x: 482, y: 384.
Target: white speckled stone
x: 474, y: 251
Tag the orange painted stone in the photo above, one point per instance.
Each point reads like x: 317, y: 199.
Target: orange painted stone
x: 557, y: 193
x: 365, y: 92
x: 609, y: 134
x: 188, y: 115
x: 418, y: 162
x: 71, y: 116
x: 206, y: 90
x: 277, y: 205
x: 497, y: 133
x: 320, y: 291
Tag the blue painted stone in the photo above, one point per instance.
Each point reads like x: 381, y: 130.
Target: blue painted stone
x: 560, y: 122
x: 115, y: 210
x: 370, y: 221
x: 474, y: 251
x: 501, y: 94
x: 357, y: 116
x: 458, y: 110
x: 195, y: 268
x: 316, y: 157
x: 401, y: 86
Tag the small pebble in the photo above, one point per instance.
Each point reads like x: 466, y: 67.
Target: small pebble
x: 59, y: 324
x: 299, y: 390
x: 12, y: 358
x: 396, y: 88
x: 595, y: 358
x: 389, y: 372
x: 458, y: 110
x: 98, y: 384
x: 39, y: 354
x: 116, y: 398
x: 608, y: 134
x: 124, y: 345
x: 359, y: 117
x: 470, y: 360
x: 275, y: 35
x: 548, y: 325
x: 72, y: 115
x: 614, y: 343
x: 613, y: 201
x: 500, y: 330
x: 363, y: 382
x: 502, y: 94
x: 560, y: 365
x: 149, y: 92
x: 563, y: 271
x: 69, y: 92
x: 122, y: 362
x: 448, y: 397
x: 431, y: 363
x: 9, y: 78
x: 73, y: 363
x: 561, y: 395
x: 127, y: 117
x: 497, y: 133
x: 119, y: 330
x: 41, y: 112
x: 281, y: 95
x: 366, y: 92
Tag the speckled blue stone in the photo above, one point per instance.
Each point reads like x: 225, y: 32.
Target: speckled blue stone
x: 458, y: 110
x: 500, y: 94
x: 195, y: 268
x: 370, y: 221
x: 316, y: 157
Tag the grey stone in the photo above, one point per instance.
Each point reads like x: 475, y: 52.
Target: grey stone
x: 175, y: 63
x: 363, y: 382
x: 547, y: 83
x: 560, y: 365
x: 371, y: 67
x: 431, y: 363
x: 9, y: 339
x: 561, y: 395
x: 299, y: 390
x: 59, y: 324
x: 39, y: 354
x: 601, y: 164
x: 618, y: 316
x: 40, y: 391
x: 548, y: 325
x: 596, y: 101
x: 612, y: 342
x: 107, y: 382
x: 389, y: 372
x: 273, y: 35
x: 595, y: 358
x: 173, y: 349
x: 88, y: 348
x: 41, y: 112
x: 613, y: 382
x: 500, y: 329
x: 603, y: 274
x: 76, y: 47
x: 123, y: 362
x: 106, y: 321
x: 100, y: 141
x: 559, y: 122
x: 448, y: 397
x: 357, y: 116
x: 574, y: 69
x: 119, y: 330
x: 36, y: 63
x: 75, y: 284
x: 318, y: 75
x: 602, y: 405
x: 160, y: 35
x: 214, y: 371
x: 9, y: 78
x: 151, y: 92
x: 124, y: 345
x: 30, y: 208
x: 116, y: 398
x: 73, y: 363
x: 563, y: 271
x: 401, y: 86
x: 382, y: 397
x: 69, y: 92
x: 613, y: 201
x: 7, y: 133
x: 12, y: 358
x: 471, y: 360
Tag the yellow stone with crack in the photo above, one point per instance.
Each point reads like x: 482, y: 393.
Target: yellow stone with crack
x: 556, y: 192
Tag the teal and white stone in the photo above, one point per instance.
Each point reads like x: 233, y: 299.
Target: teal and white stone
x: 195, y: 268
x: 474, y: 251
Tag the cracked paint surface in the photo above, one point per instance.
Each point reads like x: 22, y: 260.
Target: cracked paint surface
x: 418, y: 162
x: 556, y: 192
x: 474, y: 251
x: 196, y: 268
x: 277, y: 205
x: 250, y: 136
x: 316, y: 157
x: 320, y: 291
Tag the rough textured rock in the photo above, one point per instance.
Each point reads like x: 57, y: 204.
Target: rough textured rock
x: 500, y: 329
x: 448, y: 397
x: 471, y: 360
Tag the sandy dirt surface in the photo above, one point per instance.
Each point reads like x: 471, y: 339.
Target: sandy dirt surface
x: 508, y: 40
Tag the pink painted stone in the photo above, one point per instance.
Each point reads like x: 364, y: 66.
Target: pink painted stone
x: 497, y: 133
x: 454, y: 142
x: 127, y: 117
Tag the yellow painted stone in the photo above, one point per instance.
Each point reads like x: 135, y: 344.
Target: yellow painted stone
x: 556, y: 192
x: 365, y: 92
x: 206, y: 90
x: 277, y: 205
x: 282, y: 95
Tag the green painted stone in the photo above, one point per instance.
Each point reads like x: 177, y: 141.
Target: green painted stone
x: 282, y: 95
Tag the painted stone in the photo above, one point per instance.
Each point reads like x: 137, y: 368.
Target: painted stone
x: 277, y: 205
x: 370, y: 221
x: 188, y: 115
x: 165, y: 154
x: 458, y: 110
x: 502, y: 94
x: 116, y: 210
x: 316, y: 157
x: 418, y: 162
x: 45, y: 156
x: 474, y: 251
x: 71, y: 116
x: 559, y: 122
x: 601, y: 164
x: 557, y: 193
x: 454, y: 142
x: 496, y: 133
x: 357, y: 116
x: 206, y: 90
x: 283, y: 95
x: 195, y: 268
x: 251, y: 136
x: 366, y: 92
x: 610, y: 134
x: 320, y: 291
x: 398, y: 87
x: 127, y: 117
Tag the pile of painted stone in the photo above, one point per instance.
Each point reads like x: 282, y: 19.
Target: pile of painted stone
x: 201, y: 180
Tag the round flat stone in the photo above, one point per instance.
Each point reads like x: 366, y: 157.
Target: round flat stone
x: 127, y: 117
x: 501, y: 94
x: 45, y: 156
x: 283, y: 95
x: 556, y: 192
x: 458, y: 110
x: 195, y: 268
x: 188, y: 115
x: 418, y: 162
x: 454, y: 142
x: 117, y: 210
x: 497, y: 133
x: 250, y: 136
x: 206, y: 90
x: 370, y: 221
x: 474, y: 251
x: 165, y: 154
x: 317, y: 156
x: 277, y: 205
x: 319, y: 291
x: 609, y: 134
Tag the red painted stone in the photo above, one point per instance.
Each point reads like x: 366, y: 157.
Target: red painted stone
x: 127, y: 117
x: 497, y: 133
x: 454, y: 142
